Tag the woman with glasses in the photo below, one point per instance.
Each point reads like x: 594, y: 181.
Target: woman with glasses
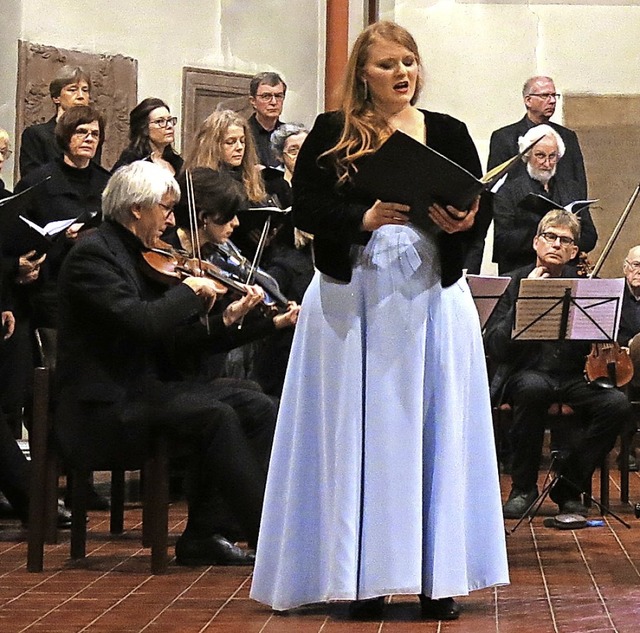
x: 72, y: 190
x: 151, y: 136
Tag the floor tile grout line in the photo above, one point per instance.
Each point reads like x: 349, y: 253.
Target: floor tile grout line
x: 544, y: 578
x: 77, y: 593
x: 495, y: 609
x: 226, y: 602
x: 594, y: 582
x: 118, y: 602
x: 622, y: 547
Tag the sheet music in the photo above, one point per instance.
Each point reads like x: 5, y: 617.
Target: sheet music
x: 595, y: 296
x: 540, y: 314
x: 486, y: 291
x: 593, y: 313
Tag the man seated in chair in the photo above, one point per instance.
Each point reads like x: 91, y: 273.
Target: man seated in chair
x: 533, y: 375
x: 120, y: 331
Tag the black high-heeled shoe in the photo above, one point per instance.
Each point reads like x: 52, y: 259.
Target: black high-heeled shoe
x: 369, y: 609
x: 442, y: 609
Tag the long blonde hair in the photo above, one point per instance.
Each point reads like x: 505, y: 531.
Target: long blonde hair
x: 207, y: 151
x: 364, y: 129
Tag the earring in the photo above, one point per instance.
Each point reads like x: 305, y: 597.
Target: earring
x: 366, y: 89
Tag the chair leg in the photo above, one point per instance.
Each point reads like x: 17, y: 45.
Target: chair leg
x: 79, y: 491
x: 40, y: 471
x: 157, y: 497
x: 625, y: 446
x: 604, y: 483
x: 116, y: 519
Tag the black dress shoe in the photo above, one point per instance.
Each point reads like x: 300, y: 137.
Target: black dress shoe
x: 370, y: 609
x: 442, y: 609
x: 63, y: 519
x: 211, y: 550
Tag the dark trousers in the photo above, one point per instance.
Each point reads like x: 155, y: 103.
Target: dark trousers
x: 228, y: 433
x: 14, y: 471
x: 602, y: 414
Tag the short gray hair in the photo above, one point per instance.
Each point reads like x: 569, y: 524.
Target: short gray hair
x: 280, y: 135
x: 537, y: 132
x: 140, y: 183
x: 68, y: 75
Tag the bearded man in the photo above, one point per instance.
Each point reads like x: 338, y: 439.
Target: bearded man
x: 516, y: 215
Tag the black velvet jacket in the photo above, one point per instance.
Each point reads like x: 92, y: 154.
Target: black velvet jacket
x: 334, y: 213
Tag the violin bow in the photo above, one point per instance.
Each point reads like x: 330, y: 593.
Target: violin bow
x: 257, y: 257
x: 616, y: 231
x: 193, y: 227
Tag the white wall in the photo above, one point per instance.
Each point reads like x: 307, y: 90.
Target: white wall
x: 477, y: 52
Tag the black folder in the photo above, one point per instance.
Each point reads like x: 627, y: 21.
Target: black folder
x: 255, y: 217
x: 406, y: 171
x: 539, y: 204
x: 19, y: 234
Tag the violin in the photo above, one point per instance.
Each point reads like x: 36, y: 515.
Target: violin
x: 608, y: 365
x: 169, y: 266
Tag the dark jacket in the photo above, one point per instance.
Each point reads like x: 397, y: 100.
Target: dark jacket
x: 514, y: 227
x: 510, y: 356
x: 59, y: 198
x: 333, y: 214
x: 629, y: 317
x: 39, y: 146
x: 504, y: 144
x: 262, y: 140
x: 129, y: 156
x: 121, y: 335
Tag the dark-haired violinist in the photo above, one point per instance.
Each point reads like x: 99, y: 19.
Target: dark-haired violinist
x: 121, y: 336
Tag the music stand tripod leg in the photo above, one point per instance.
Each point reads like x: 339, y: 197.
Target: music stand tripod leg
x: 549, y: 483
x: 604, y: 509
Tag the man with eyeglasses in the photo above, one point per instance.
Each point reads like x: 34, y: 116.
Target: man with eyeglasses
x: 70, y: 87
x: 629, y: 330
x: 533, y: 375
x: 267, y: 91
x: 516, y: 214
x: 540, y: 100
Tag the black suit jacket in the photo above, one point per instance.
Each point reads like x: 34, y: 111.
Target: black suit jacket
x: 120, y: 334
x: 514, y: 228
x: 510, y: 356
x: 504, y: 144
x: 334, y: 213
x: 39, y: 146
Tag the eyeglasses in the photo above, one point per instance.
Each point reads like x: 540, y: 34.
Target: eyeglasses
x: 293, y: 152
x: 6, y: 153
x: 632, y: 265
x: 167, y: 209
x: 551, y: 238
x: 545, y: 95
x: 85, y: 133
x: 265, y: 97
x: 170, y: 120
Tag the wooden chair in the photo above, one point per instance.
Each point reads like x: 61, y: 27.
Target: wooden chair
x: 44, y: 484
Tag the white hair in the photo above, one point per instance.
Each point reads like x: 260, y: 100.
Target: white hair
x: 140, y: 183
x: 537, y: 132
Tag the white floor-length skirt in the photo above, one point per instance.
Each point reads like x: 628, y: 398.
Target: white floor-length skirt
x: 383, y: 476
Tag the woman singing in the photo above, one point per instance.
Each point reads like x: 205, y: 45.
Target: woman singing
x: 383, y: 476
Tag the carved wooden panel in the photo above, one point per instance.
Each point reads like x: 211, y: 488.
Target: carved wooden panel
x: 114, y: 91
x: 204, y: 91
x: 608, y: 127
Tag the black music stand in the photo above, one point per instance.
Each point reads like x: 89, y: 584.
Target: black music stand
x: 547, y: 320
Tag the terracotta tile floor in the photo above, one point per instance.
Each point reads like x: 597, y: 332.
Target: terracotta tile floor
x: 562, y: 581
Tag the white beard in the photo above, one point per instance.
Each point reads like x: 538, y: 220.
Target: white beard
x: 541, y: 176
